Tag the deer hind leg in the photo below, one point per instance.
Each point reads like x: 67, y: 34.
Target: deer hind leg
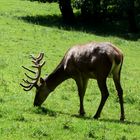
x: 104, y: 96
x: 116, y: 78
x: 81, y: 85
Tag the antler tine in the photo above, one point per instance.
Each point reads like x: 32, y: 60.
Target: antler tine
x: 27, y: 88
x: 41, y: 65
x: 30, y: 77
x: 28, y: 82
x: 32, y: 57
x: 37, y: 65
x: 28, y: 69
x: 40, y: 57
x: 37, y: 59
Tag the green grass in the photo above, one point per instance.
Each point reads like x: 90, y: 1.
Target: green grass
x: 31, y: 27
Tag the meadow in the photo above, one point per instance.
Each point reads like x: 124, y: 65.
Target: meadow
x: 31, y: 27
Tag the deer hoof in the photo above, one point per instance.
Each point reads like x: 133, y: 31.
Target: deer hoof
x: 81, y: 113
x: 122, y: 118
x: 96, y: 117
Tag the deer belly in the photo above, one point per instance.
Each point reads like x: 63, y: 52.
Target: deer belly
x: 92, y: 75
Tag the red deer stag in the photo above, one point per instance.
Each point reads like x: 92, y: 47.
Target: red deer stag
x: 81, y: 62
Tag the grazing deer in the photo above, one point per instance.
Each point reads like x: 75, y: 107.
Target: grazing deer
x: 81, y: 62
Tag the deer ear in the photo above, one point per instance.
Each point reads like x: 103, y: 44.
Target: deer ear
x: 42, y: 80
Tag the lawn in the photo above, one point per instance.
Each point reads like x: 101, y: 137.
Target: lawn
x: 31, y: 27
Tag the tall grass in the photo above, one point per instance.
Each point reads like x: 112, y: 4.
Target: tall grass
x: 31, y: 27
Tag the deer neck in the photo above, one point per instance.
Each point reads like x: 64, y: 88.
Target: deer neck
x: 56, y: 78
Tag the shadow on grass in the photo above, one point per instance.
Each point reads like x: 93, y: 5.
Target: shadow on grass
x: 102, y: 28
x: 45, y: 111
x: 51, y: 113
x: 118, y: 121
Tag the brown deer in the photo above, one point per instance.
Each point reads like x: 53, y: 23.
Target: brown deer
x: 81, y: 62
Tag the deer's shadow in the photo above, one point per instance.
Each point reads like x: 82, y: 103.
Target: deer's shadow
x: 52, y: 113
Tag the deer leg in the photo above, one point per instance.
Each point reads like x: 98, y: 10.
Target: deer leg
x: 81, y: 84
x: 104, y: 96
x: 120, y: 95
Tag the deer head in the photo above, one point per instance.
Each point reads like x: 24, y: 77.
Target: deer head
x: 41, y: 87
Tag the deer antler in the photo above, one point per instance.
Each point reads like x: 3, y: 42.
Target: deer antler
x: 37, y: 65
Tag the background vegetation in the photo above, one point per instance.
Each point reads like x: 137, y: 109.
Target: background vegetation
x: 98, y: 11
x: 31, y: 27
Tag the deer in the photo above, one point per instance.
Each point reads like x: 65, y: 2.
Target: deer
x: 94, y: 60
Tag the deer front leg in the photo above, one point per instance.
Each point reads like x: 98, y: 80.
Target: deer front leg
x: 81, y: 85
x: 104, y: 96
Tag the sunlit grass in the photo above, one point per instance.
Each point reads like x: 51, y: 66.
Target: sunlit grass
x: 58, y: 118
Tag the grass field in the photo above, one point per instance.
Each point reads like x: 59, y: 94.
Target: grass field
x: 29, y: 28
